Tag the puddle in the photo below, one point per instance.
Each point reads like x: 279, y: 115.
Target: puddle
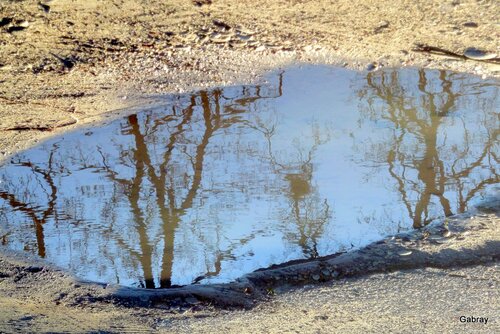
x: 222, y: 182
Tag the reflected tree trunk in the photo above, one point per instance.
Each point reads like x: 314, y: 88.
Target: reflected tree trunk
x: 423, y: 122
x: 27, y: 208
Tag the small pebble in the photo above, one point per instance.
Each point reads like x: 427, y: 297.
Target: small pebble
x: 5, y: 20
x: 372, y: 67
x: 470, y: 24
x: 405, y: 253
x: 476, y: 54
x: 382, y: 25
x: 45, y: 7
x: 23, y: 24
x: 18, y: 26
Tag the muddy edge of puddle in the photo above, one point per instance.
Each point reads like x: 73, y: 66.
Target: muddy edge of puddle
x: 463, y: 240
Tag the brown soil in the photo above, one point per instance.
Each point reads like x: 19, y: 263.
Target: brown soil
x: 78, y: 62
x: 85, y: 59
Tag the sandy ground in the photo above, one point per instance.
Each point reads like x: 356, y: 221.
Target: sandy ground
x: 85, y: 59
x: 64, y: 63
x: 425, y: 300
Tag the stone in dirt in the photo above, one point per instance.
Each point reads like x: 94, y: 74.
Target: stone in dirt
x: 18, y: 26
x: 477, y: 54
x: 221, y: 24
x: 470, y: 25
x: 5, y: 21
x: 200, y: 3
x: 381, y: 26
x: 372, y: 67
x: 44, y: 7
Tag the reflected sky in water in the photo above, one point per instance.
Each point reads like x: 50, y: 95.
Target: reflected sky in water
x: 218, y: 183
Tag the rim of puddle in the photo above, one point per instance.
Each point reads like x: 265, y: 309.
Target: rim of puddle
x: 195, y: 288
x: 151, y: 102
x: 259, y: 285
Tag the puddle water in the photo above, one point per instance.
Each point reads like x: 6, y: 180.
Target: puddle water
x: 222, y: 182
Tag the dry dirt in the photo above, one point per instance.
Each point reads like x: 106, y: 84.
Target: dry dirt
x: 64, y: 63
x: 85, y: 59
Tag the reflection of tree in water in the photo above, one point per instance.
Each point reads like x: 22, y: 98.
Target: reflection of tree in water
x: 37, y: 217
x: 418, y: 156
x: 172, y: 183
x: 162, y: 170
x: 308, y: 212
x: 172, y: 205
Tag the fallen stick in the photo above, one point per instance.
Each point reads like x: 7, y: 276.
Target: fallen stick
x: 443, y: 52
